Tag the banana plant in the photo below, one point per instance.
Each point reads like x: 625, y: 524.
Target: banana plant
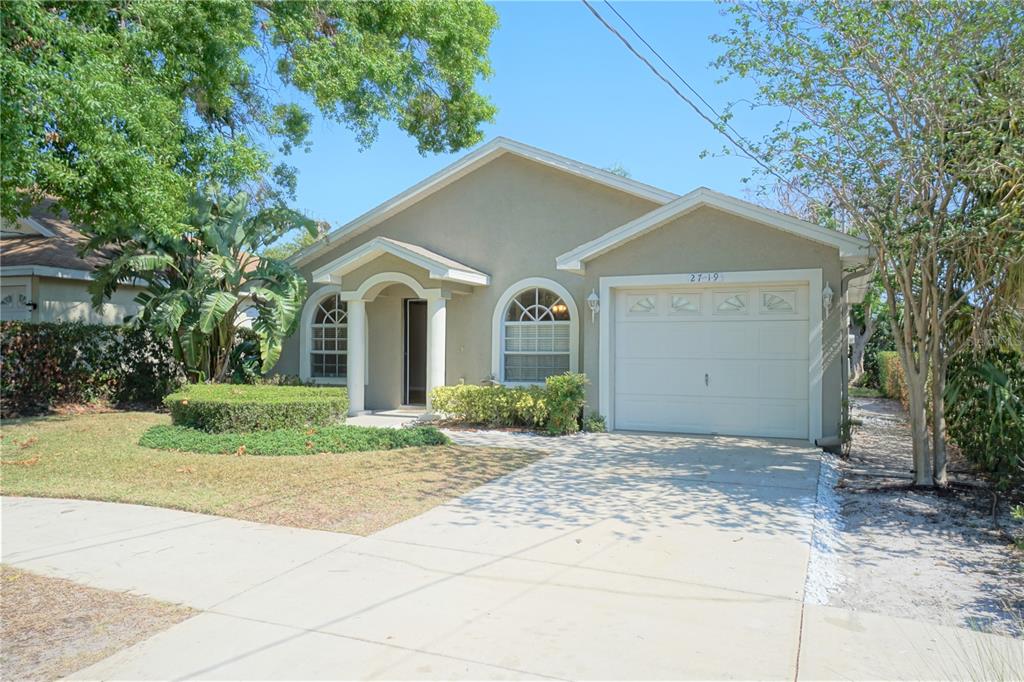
x: 200, y: 285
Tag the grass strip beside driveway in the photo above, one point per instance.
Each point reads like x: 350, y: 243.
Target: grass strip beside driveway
x: 97, y: 457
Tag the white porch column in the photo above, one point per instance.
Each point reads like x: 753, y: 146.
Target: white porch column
x: 356, y: 356
x: 436, y: 323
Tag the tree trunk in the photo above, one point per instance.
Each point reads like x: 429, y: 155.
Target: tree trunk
x: 861, y: 336
x: 915, y: 372
x: 940, y: 475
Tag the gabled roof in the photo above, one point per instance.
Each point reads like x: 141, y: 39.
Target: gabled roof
x: 850, y: 248
x: 479, y: 157
x: 53, y: 243
x: 440, y: 267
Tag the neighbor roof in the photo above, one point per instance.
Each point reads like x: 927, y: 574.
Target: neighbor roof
x: 479, y: 157
x: 58, y: 250
x: 850, y: 248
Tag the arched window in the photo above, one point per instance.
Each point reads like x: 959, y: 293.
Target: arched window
x: 537, y: 336
x: 329, y: 351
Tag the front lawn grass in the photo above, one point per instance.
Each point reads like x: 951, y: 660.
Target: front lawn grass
x: 291, y: 441
x: 97, y: 457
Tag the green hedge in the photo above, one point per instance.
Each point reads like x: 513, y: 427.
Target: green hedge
x: 50, y: 364
x: 985, y: 413
x: 219, y: 408
x: 291, y: 441
x: 556, y: 406
x: 890, y: 376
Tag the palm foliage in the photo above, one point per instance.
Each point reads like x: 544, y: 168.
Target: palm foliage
x: 201, y: 284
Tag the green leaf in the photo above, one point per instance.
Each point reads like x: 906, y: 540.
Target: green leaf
x: 213, y: 309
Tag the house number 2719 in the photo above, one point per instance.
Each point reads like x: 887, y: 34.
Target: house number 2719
x: 699, y: 277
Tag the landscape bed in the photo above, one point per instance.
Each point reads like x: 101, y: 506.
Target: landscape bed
x: 291, y: 441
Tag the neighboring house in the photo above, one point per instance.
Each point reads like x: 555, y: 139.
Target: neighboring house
x: 698, y: 313
x: 44, y: 279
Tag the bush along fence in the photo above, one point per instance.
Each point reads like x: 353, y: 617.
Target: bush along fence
x: 985, y: 417
x: 985, y: 409
x: 557, y: 406
x: 890, y: 376
x: 49, y: 364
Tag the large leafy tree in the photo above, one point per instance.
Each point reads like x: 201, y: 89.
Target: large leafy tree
x: 121, y: 108
x: 201, y: 284
x: 905, y: 121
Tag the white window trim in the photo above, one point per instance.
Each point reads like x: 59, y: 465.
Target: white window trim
x: 306, y: 339
x: 498, y: 326
x: 811, y: 276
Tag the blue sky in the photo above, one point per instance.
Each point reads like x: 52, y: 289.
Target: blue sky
x: 564, y: 83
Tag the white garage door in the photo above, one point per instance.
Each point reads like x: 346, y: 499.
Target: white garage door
x: 729, y: 360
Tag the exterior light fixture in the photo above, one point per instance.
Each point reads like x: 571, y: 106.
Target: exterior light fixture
x: 594, y: 303
x: 826, y: 298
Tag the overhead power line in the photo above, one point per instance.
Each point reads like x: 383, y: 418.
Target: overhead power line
x: 718, y: 122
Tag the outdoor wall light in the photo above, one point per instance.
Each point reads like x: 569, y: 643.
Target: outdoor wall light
x: 594, y: 303
x: 826, y: 298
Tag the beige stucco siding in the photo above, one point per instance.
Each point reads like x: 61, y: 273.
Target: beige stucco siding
x: 61, y: 300
x: 511, y: 219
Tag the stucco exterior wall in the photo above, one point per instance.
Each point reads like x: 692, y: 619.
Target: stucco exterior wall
x: 511, y: 219
x: 66, y: 300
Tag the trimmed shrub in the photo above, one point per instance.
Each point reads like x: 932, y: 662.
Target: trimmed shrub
x: 218, y: 408
x: 985, y: 414
x: 594, y: 423
x: 565, y: 395
x: 556, y: 406
x: 890, y: 376
x: 491, y: 405
x: 291, y: 441
x: 50, y: 364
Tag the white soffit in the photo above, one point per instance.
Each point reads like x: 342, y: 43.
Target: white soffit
x: 440, y: 267
x: 850, y: 248
x: 467, y: 164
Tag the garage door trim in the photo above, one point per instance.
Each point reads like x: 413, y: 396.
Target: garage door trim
x: 812, y: 277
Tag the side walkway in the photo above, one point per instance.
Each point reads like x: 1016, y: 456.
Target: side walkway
x: 620, y: 556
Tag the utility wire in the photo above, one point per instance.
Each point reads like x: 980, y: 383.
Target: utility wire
x: 720, y: 124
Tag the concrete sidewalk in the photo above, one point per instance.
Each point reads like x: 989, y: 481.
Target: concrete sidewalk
x: 621, y: 556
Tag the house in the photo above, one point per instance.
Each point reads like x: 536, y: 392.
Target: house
x: 44, y: 279
x: 696, y: 313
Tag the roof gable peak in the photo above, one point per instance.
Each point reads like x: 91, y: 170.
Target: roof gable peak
x: 465, y: 165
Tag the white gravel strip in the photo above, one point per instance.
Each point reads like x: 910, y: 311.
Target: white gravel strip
x: 823, y: 572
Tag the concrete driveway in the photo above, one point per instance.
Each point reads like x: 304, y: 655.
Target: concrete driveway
x: 619, y: 556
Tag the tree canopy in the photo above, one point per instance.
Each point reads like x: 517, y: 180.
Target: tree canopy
x: 906, y: 126
x: 122, y: 108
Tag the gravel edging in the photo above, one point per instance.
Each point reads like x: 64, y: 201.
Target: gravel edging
x: 824, y: 575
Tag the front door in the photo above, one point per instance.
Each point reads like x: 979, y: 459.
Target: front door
x: 414, y: 390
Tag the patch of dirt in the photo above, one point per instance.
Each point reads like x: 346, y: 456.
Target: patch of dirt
x: 53, y: 627
x: 929, y: 555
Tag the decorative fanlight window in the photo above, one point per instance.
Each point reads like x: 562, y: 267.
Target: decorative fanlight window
x: 733, y: 303
x: 329, y: 354
x: 536, y: 336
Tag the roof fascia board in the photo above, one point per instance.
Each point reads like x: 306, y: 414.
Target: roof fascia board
x: 462, y: 167
x: 339, y: 267
x: 46, y: 271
